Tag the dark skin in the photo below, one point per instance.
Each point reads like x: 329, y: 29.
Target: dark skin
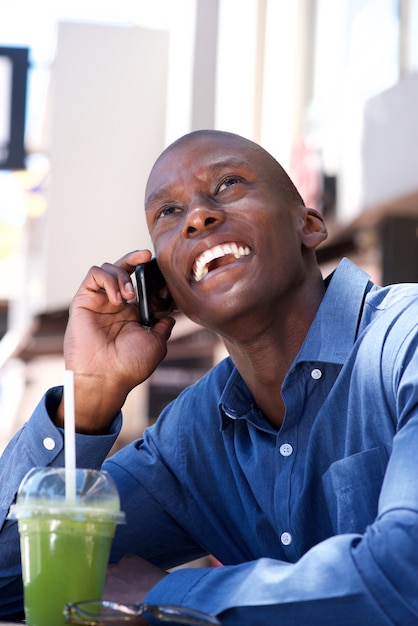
x: 208, y: 189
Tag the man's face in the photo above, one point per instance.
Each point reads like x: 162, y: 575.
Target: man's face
x: 226, y: 240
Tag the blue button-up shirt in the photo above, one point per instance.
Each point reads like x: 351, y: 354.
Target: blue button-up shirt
x: 316, y: 523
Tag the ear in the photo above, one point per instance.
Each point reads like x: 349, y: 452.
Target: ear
x: 312, y: 228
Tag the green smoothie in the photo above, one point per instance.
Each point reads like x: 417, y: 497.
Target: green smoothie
x: 63, y: 561
x: 65, y: 544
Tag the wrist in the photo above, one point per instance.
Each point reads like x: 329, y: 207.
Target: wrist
x: 96, y: 405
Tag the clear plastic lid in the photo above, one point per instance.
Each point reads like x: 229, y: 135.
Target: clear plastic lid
x: 42, y: 492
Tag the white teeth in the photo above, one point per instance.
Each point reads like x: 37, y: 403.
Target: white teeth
x: 200, y: 268
x: 218, y: 252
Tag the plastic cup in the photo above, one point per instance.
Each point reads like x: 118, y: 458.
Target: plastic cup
x: 65, y: 545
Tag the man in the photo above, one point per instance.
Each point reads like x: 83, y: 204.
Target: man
x: 293, y: 461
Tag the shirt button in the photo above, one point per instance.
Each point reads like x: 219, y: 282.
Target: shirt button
x: 316, y: 374
x: 286, y: 538
x: 286, y: 449
x: 49, y: 443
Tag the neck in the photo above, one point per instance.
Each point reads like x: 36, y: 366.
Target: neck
x: 265, y: 355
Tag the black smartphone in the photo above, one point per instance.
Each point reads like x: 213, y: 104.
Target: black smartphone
x: 154, y: 299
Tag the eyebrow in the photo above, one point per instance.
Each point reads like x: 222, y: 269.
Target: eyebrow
x: 230, y: 163
x: 213, y: 169
x: 157, y: 196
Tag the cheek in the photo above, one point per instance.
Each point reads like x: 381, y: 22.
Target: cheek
x: 171, y: 267
x: 164, y: 245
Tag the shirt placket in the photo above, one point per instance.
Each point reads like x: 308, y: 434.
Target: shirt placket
x: 287, y: 478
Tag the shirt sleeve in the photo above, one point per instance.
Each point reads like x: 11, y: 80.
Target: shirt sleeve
x: 336, y: 582
x: 37, y: 444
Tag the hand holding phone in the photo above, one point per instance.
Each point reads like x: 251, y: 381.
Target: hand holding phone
x: 154, y: 299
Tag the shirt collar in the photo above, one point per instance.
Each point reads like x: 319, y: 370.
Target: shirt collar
x: 334, y: 330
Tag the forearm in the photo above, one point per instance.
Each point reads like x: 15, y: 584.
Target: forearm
x: 323, y: 587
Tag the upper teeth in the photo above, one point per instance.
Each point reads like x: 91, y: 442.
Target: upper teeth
x: 200, y: 267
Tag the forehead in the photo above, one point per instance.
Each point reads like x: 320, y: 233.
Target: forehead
x: 201, y: 158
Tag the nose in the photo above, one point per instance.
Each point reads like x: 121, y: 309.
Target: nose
x: 201, y: 217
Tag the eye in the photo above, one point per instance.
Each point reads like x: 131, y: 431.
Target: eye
x: 166, y: 210
x: 228, y: 182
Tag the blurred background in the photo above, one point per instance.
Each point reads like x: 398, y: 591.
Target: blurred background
x: 92, y: 91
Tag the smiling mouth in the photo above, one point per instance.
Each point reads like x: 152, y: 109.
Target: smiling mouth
x: 219, y: 255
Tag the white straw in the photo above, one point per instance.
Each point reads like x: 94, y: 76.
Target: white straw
x: 69, y: 436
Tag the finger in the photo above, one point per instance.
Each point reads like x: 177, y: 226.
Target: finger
x: 130, y: 260
x: 116, y: 281
x: 127, y: 265
x: 114, y: 278
x: 163, y: 328
x: 106, y: 281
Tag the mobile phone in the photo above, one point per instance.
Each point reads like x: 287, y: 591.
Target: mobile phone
x: 154, y: 299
